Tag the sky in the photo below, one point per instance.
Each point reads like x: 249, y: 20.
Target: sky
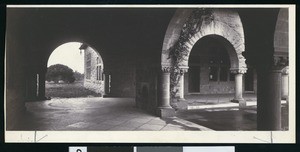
x: 68, y: 54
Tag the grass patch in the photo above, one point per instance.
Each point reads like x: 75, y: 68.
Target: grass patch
x: 72, y: 90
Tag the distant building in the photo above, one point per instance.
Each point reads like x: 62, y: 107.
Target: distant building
x: 93, y: 70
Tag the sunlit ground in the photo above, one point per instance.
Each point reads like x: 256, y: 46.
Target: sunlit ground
x: 65, y: 90
x: 225, y: 119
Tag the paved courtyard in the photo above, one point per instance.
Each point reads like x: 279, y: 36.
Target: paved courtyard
x: 97, y: 114
x: 120, y: 114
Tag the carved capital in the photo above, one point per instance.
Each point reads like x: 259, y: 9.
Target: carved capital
x: 183, y: 70
x: 280, y: 61
x: 285, y: 70
x: 166, y: 69
x: 238, y: 71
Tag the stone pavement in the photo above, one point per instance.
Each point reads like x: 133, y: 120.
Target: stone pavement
x: 200, y: 101
x: 217, y: 112
x: 120, y: 114
x: 229, y: 118
x: 112, y: 114
x: 210, y: 99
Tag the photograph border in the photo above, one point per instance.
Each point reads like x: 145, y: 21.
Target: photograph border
x: 171, y: 136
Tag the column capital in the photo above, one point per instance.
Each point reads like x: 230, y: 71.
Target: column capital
x: 166, y: 69
x: 238, y: 71
x: 285, y: 70
x: 183, y: 70
x: 280, y: 61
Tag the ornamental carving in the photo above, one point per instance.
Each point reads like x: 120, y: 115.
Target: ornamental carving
x: 183, y: 70
x: 166, y: 69
x: 238, y: 71
x: 285, y: 70
x: 280, y: 61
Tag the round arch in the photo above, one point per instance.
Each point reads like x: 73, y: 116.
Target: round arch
x: 221, y: 23
x: 281, y: 37
x: 65, y: 42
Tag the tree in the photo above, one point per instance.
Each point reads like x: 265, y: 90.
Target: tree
x: 59, y: 72
x: 78, y: 76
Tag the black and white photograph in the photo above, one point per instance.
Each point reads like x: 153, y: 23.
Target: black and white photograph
x: 150, y: 73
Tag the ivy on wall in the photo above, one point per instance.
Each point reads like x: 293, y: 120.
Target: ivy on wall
x: 179, y: 51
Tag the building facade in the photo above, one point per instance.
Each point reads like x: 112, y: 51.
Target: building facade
x: 93, y: 70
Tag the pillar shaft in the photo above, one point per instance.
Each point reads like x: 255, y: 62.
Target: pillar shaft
x: 164, y: 108
x: 31, y: 87
x: 165, y: 90
x: 41, y: 92
x: 269, y: 100
x: 238, y: 98
x: 285, y: 84
x: 239, y: 86
x: 181, y: 84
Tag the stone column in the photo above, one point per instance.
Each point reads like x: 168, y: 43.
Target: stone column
x: 31, y: 88
x: 41, y: 92
x: 106, y: 85
x: 269, y: 100
x: 164, y: 108
x: 269, y: 95
x: 181, y: 84
x: 285, y: 83
x: 238, y: 98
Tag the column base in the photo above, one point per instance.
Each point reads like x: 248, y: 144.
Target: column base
x: 164, y: 112
x: 242, y: 102
x: 181, y: 104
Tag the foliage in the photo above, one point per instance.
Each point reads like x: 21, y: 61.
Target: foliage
x: 59, y: 72
x: 78, y: 76
x: 179, y: 51
x: 72, y: 90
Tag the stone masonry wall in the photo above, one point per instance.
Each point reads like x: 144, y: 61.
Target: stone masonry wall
x: 93, y: 84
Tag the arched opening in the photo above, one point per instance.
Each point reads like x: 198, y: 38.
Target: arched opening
x: 225, y: 42
x: 209, y: 67
x: 74, y: 70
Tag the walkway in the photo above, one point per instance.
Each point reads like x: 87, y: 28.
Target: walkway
x: 217, y: 112
x: 120, y: 114
x: 97, y: 113
x: 195, y: 100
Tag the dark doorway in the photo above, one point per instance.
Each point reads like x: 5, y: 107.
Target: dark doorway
x: 249, y: 80
x: 194, y: 79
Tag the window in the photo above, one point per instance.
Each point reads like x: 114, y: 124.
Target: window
x: 213, y: 74
x: 99, y: 72
x: 88, y: 66
x: 223, y: 73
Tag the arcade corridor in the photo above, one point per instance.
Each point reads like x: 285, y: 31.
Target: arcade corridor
x: 120, y: 114
x: 153, y: 62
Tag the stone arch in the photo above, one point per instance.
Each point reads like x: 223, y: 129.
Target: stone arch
x: 281, y: 37
x: 77, y: 41
x: 281, y: 49
x: 224, y: 23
